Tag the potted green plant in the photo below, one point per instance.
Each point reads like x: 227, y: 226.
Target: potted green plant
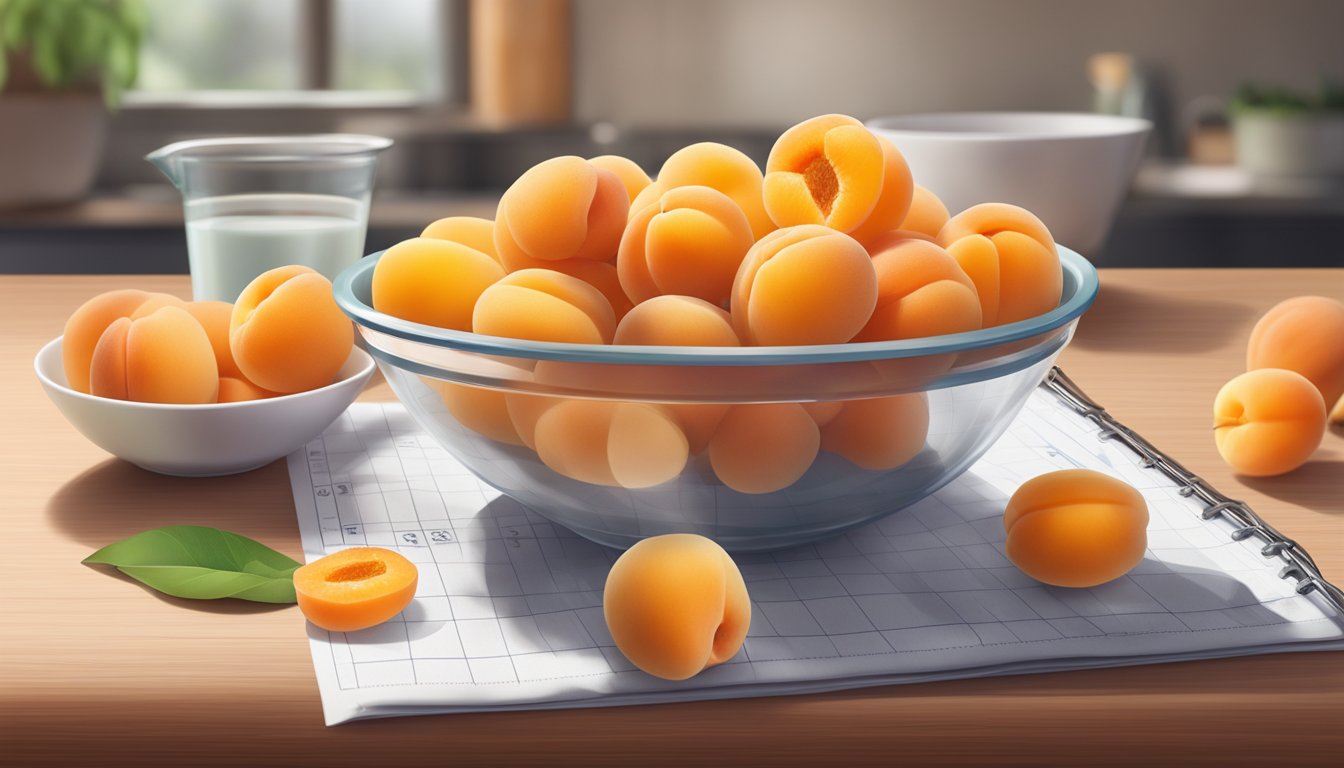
x: 63, y: 65
x: 1281, y: 132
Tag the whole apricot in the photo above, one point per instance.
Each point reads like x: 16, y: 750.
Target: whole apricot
x: 286, y: 332
x: 893, y: 204
x: 562, y: 208
x: 761, y: 448
x: 214, y: 318
x: 484, y: 411
x: 164, y: 357
x: 544, y: 305
x: 676, y: 604
x: 86, y: 325
x: 677, y: 321
x: 921, y: 291
x: 1268, y: 421
x: 525, y: 410
x: 879, y: 433
x: 431, y: 281
x: 630, y: 445
x: 720, y: 167
x: 826, y: 170
x: 474, y: 232
x: 803, y: 285
x: 690, y: 242
x: 1303, y: 334
x: 355, y: 588
x: 628, y: 171
x: 1076, y: 528
x: 237, y: 390
x: 1010, y: 256
x: 927, y: 214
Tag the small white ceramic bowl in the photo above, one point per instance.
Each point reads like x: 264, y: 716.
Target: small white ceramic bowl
x: 202, y: 440
x: 1072, y: 170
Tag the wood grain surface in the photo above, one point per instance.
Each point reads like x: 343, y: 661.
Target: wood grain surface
x: 95, y: 670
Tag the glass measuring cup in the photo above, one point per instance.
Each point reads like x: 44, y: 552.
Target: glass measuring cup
x: 252, y: 203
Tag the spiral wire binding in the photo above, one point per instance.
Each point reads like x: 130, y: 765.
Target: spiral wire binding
x: 1298, y: 565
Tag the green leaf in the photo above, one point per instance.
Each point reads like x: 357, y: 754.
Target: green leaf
x: 201, y: 563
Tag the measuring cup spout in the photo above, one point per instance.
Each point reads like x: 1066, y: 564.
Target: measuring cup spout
x: 166, y: 159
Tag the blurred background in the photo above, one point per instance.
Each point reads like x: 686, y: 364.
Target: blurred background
x: 475, y: 91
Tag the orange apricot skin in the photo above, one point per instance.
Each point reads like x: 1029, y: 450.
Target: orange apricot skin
x: 629, y: 445
x: 286, y: 332
x: 1303, y: 334
x: 826, y: 170
x: 921, y: 292
x: 484, y: 411
x: 628, y: 171
x: 1011, y: 258
x: 237, y: 390
x: 85, y: 327
x: 164, y: 357
x: 1268, y: 421
x: 214, y: 318
x: 803, y: 285
x: 544, y: 305
x: 675, y: 605
x: 720, y: 167
x: 893, y: 204
x: 880, y: 433
x: 689, y: 243
x: 1076, y: 528
x: 355, y: 589
x: 927, y: 214
x: 431, y: 281
x: 562, y: 208
x: 761, y: 448
x: 471, y: 231
x: 677, y: 321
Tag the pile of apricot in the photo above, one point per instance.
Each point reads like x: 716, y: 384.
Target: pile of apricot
x: 832, y: 243
x: 283, y: 335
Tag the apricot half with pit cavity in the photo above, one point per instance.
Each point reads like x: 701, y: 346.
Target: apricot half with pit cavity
x: 356, y: 588
x: 826, y: 170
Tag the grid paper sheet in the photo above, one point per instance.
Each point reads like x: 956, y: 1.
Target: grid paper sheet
x: 508, y: 613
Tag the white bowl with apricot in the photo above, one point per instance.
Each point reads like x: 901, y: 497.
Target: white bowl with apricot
x: 204, y: 388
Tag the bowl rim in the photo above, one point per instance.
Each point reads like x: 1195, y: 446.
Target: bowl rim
x: 1101, y: 126
x: 366, y: 366
x: 1069, y: 309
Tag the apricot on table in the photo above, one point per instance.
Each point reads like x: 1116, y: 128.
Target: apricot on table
x: 562, y: 208
x: 286, y: 332
x: 544, y: 305
x: 1010, y: 256
x: 472, y: 231
x: 720, y: 167
x: 807, y: 284
x: 431, y: 281
x: 628, y: 171
x: 893, y: 205
x: 1303, y: 334
x: 690, y: 242
x: 164, y: 357
x: 879, y: 433
x: 676, y: 604
x: 927, y: 214
x: 761, y: 448
x: 214, y: 318
x: 1076, y: 528
x: 630, y: 445
x: 236, y: 390
x: 355, y: 588
x: 1268, y: 421
x: 825, y: 170
x: 921, y: 291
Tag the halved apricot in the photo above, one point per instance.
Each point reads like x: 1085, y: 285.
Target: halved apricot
x: 355, y: 588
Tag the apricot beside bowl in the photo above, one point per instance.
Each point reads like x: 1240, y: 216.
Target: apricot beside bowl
x: 203, y: 440
x: 758, y: 448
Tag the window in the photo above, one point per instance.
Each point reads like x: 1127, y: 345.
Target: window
x: 290, y: 50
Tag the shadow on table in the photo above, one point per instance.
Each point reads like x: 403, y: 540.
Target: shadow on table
x: 1316, y: 485
x: 1125, y: 319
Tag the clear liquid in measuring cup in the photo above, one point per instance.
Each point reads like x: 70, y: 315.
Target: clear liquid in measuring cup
x: 231, y: 239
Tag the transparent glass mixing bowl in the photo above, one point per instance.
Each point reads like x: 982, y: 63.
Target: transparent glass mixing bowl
x: 974, y: 384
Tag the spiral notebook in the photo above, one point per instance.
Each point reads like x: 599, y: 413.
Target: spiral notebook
x: 508, y: 613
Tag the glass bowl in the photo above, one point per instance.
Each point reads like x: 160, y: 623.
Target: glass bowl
x: 923, y: 410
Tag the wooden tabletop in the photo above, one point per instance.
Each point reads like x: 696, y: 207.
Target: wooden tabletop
x: 95, y: 670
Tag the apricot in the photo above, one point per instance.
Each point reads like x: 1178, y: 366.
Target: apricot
x: 630, y: 445
x: 214, y: 318
x: 1076, y: 528
x: 1010, y: 256
x: 1303, y: 334
x: 677, y: 321
x: 676, y: 604
x: 474, y: 232
x: 893, y: 204
x: 921, y: 291
x: 720, y: 167
x: 628, y: 171
x: 544, y: 305
x: 86, y: 325
x: 237, y: 390
x: 525, y: 411
x: 760, y: 448
x: 826, y: 170
x: 286, y: 332
x: 434, y: 282
x: 355, y: 588
x: 823, y: 412
x: 155, y: 302
x: 690, y: 242
x: 164, y: 357
x: 879, y: 433
x: 562, y: 208
x: 646, y: 197
x: 803, y: 285
x: 481, y: 410
x: 1268, y: 421
x: 927, y: 214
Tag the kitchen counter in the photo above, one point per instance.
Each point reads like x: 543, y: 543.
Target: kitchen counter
x: 95, y: 670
